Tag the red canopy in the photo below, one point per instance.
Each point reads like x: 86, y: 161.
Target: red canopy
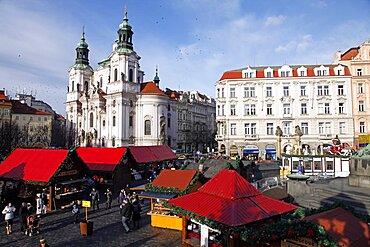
x: 150, y: 154
x: 101, y: 159
x: 179, y: 179
x: 37, y: 165
x: 229, y: 199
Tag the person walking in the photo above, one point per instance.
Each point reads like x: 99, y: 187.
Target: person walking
x: 95, y: 198
x: 121, y: 196
x: 76, y: 212
x: 108, y: 199
x: 126, y: 213
x: 23, y: 213
x: 9, y: 211
x: 136, y: 209
x: 44, y: 198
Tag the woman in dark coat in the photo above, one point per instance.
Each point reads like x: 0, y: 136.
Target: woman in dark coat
x: 136, y: 213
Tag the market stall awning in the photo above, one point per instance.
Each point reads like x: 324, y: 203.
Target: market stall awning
x: 229, y: 199
x: 34, y: 165
x: 343, y: 227
x: 145, y: 194
x: 101, y: 159
x: 179, y: 179
x: 150, y: 154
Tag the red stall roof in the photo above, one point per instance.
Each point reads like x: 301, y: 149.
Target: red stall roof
x: 149, y: 154
x: 101, y: 159
x: 343, y: 227
x: 37, y: 165
x: 179, y: 179
x: 229, y: 199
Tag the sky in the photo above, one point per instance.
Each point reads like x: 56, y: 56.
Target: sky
x: 191, y: 41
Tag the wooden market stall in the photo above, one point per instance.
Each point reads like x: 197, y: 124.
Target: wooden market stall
x: 169, y: 184
x: 213, y: 213
x: 108, y: 165
x: 61, y: 173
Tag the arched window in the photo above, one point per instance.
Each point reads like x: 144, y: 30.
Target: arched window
x: 130, y: 75
x: 73, y: 86
x: 115, y: 74
x: 147, y: 127
x: 101, y: 82
x: 114, y: 121
x: 91, y: 120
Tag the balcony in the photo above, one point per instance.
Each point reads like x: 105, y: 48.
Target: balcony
x: 326, y: 136
x: 287, y: 115
x: 251, y: 137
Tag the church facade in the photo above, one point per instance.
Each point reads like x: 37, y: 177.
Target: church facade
x: 112, y: 106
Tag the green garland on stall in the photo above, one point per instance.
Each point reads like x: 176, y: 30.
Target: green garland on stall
x: 167, y: 190
x: 292, y: 228
x: 315, y: 156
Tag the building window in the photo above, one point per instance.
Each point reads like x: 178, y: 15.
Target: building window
x: 169, y: 122
x: 326, y: 90
x: 249, y: 75
x: 250, y: 129
x: 73, y: 86
x: 218, y: 93
x: 286, y: 91
x: 91, y: 120
x: 130, y: 121
x: 304, y: 108
x: 6, y: 112
x: 340, y: 90
x: 16, y: 117
x: 328, y: 128
x: 147, y: 127
x: 253, y: 109
x: 341, y: 108
x: 233, y: 129
x: 270, y: 128
x: 268, y: 91
x: 268, y: 74
x: 321, y: 128
x: 218, y: 111
x: 103, y: 123
x: 232, y: 92
x: 327, y: 108
x: 319, y: 72
x: 302, y: 73
x: 113, y: 142
x: 232, y: 110
x: 304, y: 128
x: 222, y: 93
x: 286, y: 108
x: 249, y: 92
x: 114, y: 121
x: 359, y: 72
x: 286, y: 128
x: 249, y: 109
x: 115, y: 75
x: 303, y: 90
x: 361, y: 106
x: 342, y: 128
x: 360, y: 88
x: 86, y: 86
x: 284, y: 73
x: 362, y: 127
x: 321, y: 108
x: 223, y: 110
x: 247, y: 129
x: 319, y: 90
x: 131, y: 75
x: 101, y: 82
x: 269, y: 109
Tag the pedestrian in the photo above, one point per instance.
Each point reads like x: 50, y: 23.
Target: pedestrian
x: 30, y: 208
x: 9, y: 217
x: 121, y: 196
x: 76, y: 212
x: 95, y: 198
x: 126, y: 213
x: 43, y: 242
x: 108, y: 199
x: 136, y: 209
x: 44, y: 198
x: 23, y: 213
x: 39, y: 205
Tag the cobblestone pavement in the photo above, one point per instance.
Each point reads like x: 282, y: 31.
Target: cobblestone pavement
x: 59, y: 231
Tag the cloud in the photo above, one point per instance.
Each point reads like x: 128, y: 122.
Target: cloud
x: 299, y: 45
x: 274, y: 20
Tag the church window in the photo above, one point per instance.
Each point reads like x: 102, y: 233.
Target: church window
x: 131, y: 75
x: 91, y: 120
x: 115, y: 74
x: 114, y: 121
x: 147, y: 127
x: 73, y: 86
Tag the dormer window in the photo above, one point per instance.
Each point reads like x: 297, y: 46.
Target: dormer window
x: 268, y: 74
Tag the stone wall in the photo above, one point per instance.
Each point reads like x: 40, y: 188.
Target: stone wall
x: 360, y: 173
x: 297, y: 188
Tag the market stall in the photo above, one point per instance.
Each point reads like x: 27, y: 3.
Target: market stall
x: 215, y: 214
x: 109, y: 166
x: 169, y: 184
x: 61, y: 174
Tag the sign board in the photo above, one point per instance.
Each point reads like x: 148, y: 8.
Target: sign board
x: 270, y: 146
x: 86, y: 204
x: 252, y: 147
x: 300, y: 242
x: 364, y: 138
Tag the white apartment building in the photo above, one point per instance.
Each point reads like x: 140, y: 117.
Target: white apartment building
x: 254, y: 103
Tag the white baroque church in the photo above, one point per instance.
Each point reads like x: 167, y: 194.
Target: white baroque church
x: 111, y: 106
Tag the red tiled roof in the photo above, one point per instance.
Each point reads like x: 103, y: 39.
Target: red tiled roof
x: 350, y: 54
x: 231, y: 75
x: 4, y: 99
x: 227, y: 199
x: 150, y: 154
x: 150, y: 88
x: 20, y: 108
x: 179, y: 179
x: 101, y: 159
x: 37, y: 165
x: 343, y: 227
